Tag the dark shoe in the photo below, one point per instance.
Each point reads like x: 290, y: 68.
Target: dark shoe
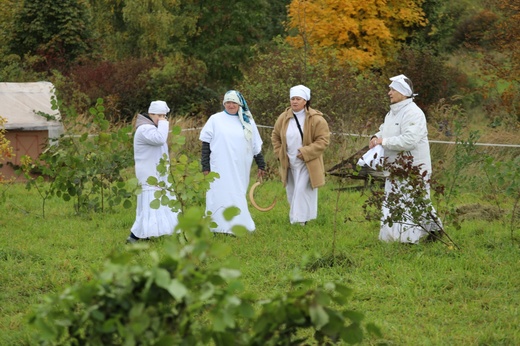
x: 224, y: 234
x: 131, y: 240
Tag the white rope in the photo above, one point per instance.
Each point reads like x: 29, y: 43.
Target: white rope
x: 365, y: 136
x: 431, y: 141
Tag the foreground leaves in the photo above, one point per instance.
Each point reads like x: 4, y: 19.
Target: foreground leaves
x: 191, y: 297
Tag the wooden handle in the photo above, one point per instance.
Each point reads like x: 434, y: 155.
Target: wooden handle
x: 253, y: 202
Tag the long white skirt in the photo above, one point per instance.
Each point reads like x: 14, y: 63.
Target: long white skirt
x: 218, y: 199
x: 303, y: 199
x: 407, y: 231
x: 152, y: 222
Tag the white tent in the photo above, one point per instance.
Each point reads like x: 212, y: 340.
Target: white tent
x: 30, y: 120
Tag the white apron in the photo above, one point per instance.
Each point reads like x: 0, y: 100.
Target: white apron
x: 302, y: 198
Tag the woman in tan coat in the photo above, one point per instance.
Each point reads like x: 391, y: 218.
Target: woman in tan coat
x: 299, y: 138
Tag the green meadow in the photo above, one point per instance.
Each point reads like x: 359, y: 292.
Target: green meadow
x: 427, y: 294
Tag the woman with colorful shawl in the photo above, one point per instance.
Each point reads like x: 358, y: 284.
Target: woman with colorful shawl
x: 230, y: 142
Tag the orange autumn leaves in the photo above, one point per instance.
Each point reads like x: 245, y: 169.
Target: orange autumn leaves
x: 363, y: 33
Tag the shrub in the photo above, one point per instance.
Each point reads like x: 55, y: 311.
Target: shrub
x: 476, y: 30
x: 181, y: 81
x: 432, y: 78
x: 82, y: 167
x: 185, y: 298
x: 6, y: 150
x: 122, y: 84
x: 348, y: 98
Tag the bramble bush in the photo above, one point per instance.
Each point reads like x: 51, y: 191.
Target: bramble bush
x: 408, y: 201
x: 433, y: 79
x: 122, y: 85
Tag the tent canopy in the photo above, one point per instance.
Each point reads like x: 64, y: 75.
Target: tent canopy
x: 20, y: 104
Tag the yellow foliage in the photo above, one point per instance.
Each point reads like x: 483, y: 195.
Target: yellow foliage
x: 364, y: 33
x: 6, y: 151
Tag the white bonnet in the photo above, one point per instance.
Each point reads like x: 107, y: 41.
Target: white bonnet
x: 399, y: 84
x: 158, y: 107
x: 301, y: 91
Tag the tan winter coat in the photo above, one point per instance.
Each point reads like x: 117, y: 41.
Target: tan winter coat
x: 316, y: 136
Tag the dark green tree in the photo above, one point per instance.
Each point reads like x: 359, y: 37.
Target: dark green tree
x: 228, y: 29
x: 143, y: 28
x: 444, y: 19
x: 58, y: 31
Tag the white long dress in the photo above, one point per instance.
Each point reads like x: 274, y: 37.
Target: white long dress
x: 405, y: 129
x: 150, y: 144
x: 231, y: 157
x: 302, y: 198
x: 407, y: 231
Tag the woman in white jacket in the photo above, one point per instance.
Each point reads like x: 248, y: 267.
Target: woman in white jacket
x: 404, y: 130
x: 150, y: 145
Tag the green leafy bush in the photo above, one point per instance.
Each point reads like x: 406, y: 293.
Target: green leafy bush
x: 192, y: 297
x: 187, y: 185
x: 85, y: 168
x: 181, y: 81
x: 350, y: 99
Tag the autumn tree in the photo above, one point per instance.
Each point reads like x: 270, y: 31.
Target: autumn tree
x: 506, y: 39
x: 364, y: 33
x: 507, y: 43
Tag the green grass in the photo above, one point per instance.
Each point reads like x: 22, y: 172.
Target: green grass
x: 418, y: 295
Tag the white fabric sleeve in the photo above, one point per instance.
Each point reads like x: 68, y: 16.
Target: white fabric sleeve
x: 257, y: 139
x: 155, y: 136
x: 206, y: 134
x: 413, y: 128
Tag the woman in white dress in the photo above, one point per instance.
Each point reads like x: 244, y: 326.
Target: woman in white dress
x: 230, y: 142
x: 150, y: 145
x: 300, y: 136
x: 404, y: 130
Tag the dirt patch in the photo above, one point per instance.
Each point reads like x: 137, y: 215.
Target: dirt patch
x: 479, y: 212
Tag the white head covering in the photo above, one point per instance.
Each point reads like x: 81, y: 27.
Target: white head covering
x: 399, y: 84
x: 301, y: 91
x: 232, y: 96
x: 244, y: 114
x: 158, y: 107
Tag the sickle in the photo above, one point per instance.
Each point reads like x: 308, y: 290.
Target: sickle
x: 252, y: 199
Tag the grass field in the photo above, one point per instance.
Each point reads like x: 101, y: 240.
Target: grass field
x: 418, y: 295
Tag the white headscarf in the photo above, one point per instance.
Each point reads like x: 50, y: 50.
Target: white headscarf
x: 301, y: 91
x: 399, y: 84
x: 244, y: 114
x: 232, y: 96
x: 158, y: 107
